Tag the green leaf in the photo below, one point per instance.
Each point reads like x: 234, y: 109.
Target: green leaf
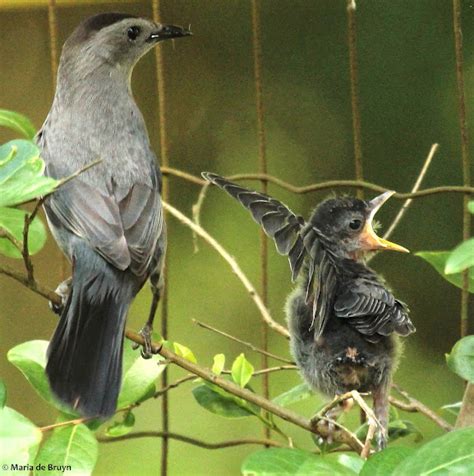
x: 452, y: 408
x: 30, y: 358
x: 461, y: 258
x: 120, y: 428
x: 184, y: 352
x: 222, y: 403
x: 218, y: 364
x: 13, y: 220
x: 17, y: 122
x: 242, y: 370
x: 470, y: 206
x: 21, y: 173
x: 350, y: 461
x: 3, y: 394
x: 438, y: 259
x: 286, y: 461
x: 295, y: 394
x: 461, y: 358
x: 385, y: 462
x: 396, y: 429
x: 19, y: 440
x: 73, y: 447
x: 449, y: 454
x: 139, y: 376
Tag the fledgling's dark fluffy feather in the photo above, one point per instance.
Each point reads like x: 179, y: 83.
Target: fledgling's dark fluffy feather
x: 343, y: 320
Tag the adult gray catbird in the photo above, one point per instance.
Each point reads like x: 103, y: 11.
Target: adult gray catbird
x: 343, y: 320
x: 109, y: 220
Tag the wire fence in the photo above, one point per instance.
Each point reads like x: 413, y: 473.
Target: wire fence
x: 261, y: 162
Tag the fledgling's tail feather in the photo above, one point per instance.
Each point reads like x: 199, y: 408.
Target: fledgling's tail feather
x: 85, y: 354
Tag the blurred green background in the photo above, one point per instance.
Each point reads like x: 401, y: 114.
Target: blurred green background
x: 408, y: 101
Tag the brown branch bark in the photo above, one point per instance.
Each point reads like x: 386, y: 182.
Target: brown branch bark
x: 192, y: 441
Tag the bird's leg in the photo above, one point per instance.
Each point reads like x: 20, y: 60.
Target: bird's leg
x: 156, y: 280
x: 63, y: 290
x: 329, y: 415
x: 381, y: 410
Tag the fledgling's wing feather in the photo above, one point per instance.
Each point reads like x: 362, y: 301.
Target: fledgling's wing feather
x: 373, y: 310
x: 276, y: 219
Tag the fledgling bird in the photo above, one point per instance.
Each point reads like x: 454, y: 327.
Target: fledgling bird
x: 109, y: 220
x: 343, y: 321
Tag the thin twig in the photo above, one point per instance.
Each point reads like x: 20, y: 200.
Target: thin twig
x: 34, y: 286
x: 415, y: 188
x: 354, y: 78
x: 262, y: 168
x: 173, y: 385
x: 413, y: 405
x: 464, y: 155
x: 268, y: 370
x: 316, y: 187
x: 26, y: 231
x: 234, y: 266
x: 4, y: 233
x: 240, y: 341
x: 192, y: 441
x: 164, y: 156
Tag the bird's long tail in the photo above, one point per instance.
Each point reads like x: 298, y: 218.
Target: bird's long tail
x: 85, y: 354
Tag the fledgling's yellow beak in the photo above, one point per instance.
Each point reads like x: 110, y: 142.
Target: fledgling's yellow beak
x: 368, y: 239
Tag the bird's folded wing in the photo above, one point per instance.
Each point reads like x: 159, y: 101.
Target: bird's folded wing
x: 122, y: 227
x: 373, y: 310
x: 277, y: 220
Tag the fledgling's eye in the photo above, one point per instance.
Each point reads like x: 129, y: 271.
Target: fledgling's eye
x: 133, y: 32
x: 355, y: 224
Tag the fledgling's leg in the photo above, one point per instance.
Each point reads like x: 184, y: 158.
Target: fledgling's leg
x: 63, y: 290
x: 381, y: 411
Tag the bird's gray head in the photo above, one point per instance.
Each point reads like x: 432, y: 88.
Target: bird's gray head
x: 347, y: 223
x: 118, y: 39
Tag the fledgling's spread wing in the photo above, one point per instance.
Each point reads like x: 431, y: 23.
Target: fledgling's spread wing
x: 276, y: 219
x: 373, y: 310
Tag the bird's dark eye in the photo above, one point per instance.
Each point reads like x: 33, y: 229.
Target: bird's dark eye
x: 355, y: 224
x: 133, y: 32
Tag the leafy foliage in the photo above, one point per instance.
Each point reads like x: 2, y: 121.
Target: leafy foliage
x: 461, y: 358
x: 280, y: 461
x: 17, y: 122
x: 74, y: 446
x: 21, y: 180
x: 438, y: 260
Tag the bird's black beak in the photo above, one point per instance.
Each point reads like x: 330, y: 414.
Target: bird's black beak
x: 368, y: 238
x: 166, y: 32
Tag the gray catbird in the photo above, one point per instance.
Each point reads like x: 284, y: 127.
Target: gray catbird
x: 109, y: 220
x: 343, y: 320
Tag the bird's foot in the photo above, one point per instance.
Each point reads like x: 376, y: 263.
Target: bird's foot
x: 381, y: 439
x: 63, y: 291
x: 146, y: 348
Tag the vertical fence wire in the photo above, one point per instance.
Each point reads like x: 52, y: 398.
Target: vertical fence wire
x: 354, y: 80
x: 160, y: 84
x: 464, y: 154
x: 53, y: 50
x: 262, y: 168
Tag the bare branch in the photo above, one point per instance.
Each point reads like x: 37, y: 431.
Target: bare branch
x: 240, y: 341
x: 192, y: 441
x: 316, y: 187
x: 415, y: 188
x: 265, y: 313
x: 415, y: 406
